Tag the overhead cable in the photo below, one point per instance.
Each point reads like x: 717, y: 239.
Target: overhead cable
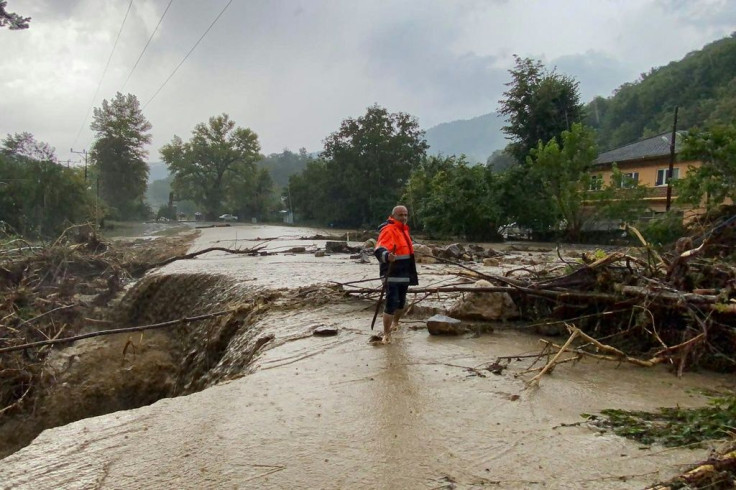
x: 103, y: 73
x: 187, y: 55
x: 146, y: 46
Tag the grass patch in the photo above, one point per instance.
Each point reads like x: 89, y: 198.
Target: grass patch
x: 673, y: 426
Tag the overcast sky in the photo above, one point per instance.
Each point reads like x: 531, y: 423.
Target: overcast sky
x: 292, y: 70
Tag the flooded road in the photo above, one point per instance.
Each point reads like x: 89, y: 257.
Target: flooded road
x: 337, y: 412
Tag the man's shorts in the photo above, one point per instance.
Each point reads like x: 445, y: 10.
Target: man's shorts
x: 395, y: 297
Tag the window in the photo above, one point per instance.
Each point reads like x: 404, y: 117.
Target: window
x: 662, y: 176
x: 596, y: 182
x: 629, y: 179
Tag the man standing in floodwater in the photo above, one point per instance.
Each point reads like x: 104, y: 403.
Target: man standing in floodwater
x: 395, y: 253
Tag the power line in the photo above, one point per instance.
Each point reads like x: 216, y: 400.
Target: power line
x: 187, y: 55
x: 103, y: 73
x: 146, y: 46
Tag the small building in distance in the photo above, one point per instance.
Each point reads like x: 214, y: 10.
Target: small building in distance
x: 647, y: 162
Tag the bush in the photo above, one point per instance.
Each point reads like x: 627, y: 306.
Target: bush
x: 664, y: 229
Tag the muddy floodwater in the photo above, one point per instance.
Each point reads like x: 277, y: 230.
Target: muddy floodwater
x: 338, y: 412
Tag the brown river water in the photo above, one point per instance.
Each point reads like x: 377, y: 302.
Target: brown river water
x: 338, y: 412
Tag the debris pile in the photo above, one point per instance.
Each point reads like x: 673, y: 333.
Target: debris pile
x: 59, y: 290
x: 633, y: 305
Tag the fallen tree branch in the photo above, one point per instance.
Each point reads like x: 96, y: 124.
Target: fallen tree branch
x: 535, y: 380
x: 246, y: 251
x: 114, y: 331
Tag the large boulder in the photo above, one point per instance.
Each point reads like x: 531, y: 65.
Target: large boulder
x: 340, y: 247
x: 422, y: 250
x: 445, y: 325
x: 424, y: 254
x: 484, y: 305
x: 453, y: 251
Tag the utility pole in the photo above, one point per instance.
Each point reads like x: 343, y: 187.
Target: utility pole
x: 291, y: 209
x: 670, y: 171
x: 83, y: 152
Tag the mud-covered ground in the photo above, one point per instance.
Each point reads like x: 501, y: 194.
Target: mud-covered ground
x: 270, y: 405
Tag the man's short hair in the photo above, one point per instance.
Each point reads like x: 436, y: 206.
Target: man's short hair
x: 396, y: 208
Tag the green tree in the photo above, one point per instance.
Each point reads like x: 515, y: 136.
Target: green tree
x: 119, y: 155
x: 253, y: 197
x: 715, y: 180
x: 563, y: 171
x: 12, y: 20
x: 419, y: 187
x: 451, y: 198
x: 39, y: 197
x: 283, y: 165
x: 622, y: 199
x: 538, y: 106
x: 500, y: 160
x: 216, y: 167
x: 369, y: 160
x: 525, y: 201
x: 307, y: 192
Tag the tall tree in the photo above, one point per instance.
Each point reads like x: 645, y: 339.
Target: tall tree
x: 216, y: 167
x: 369, y: 160
x: 119, y: 155
x: 12, y: 20
x: 564, y: 173
x: 538, y: 106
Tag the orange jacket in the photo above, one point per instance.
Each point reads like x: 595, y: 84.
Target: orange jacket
x: 394, y: 237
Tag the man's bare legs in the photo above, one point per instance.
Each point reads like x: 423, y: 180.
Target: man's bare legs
x: 388, y: 320
x: 396, y: 318
x: 390, y: 325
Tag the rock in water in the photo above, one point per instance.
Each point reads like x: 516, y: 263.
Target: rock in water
x: 323, y: 331
x: 445, y: 325
x: 485, y: 306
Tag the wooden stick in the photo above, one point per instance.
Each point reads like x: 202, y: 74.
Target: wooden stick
x: 678, y: 346
x: 561, y: 361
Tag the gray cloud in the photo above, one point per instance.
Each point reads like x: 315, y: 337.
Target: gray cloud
x: 293, y: 70
x: 598, y: 73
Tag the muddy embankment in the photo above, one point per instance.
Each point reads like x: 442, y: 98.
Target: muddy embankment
x: 124, y: 371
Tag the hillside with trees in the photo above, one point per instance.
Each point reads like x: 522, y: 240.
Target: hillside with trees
x: 702, y: 84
